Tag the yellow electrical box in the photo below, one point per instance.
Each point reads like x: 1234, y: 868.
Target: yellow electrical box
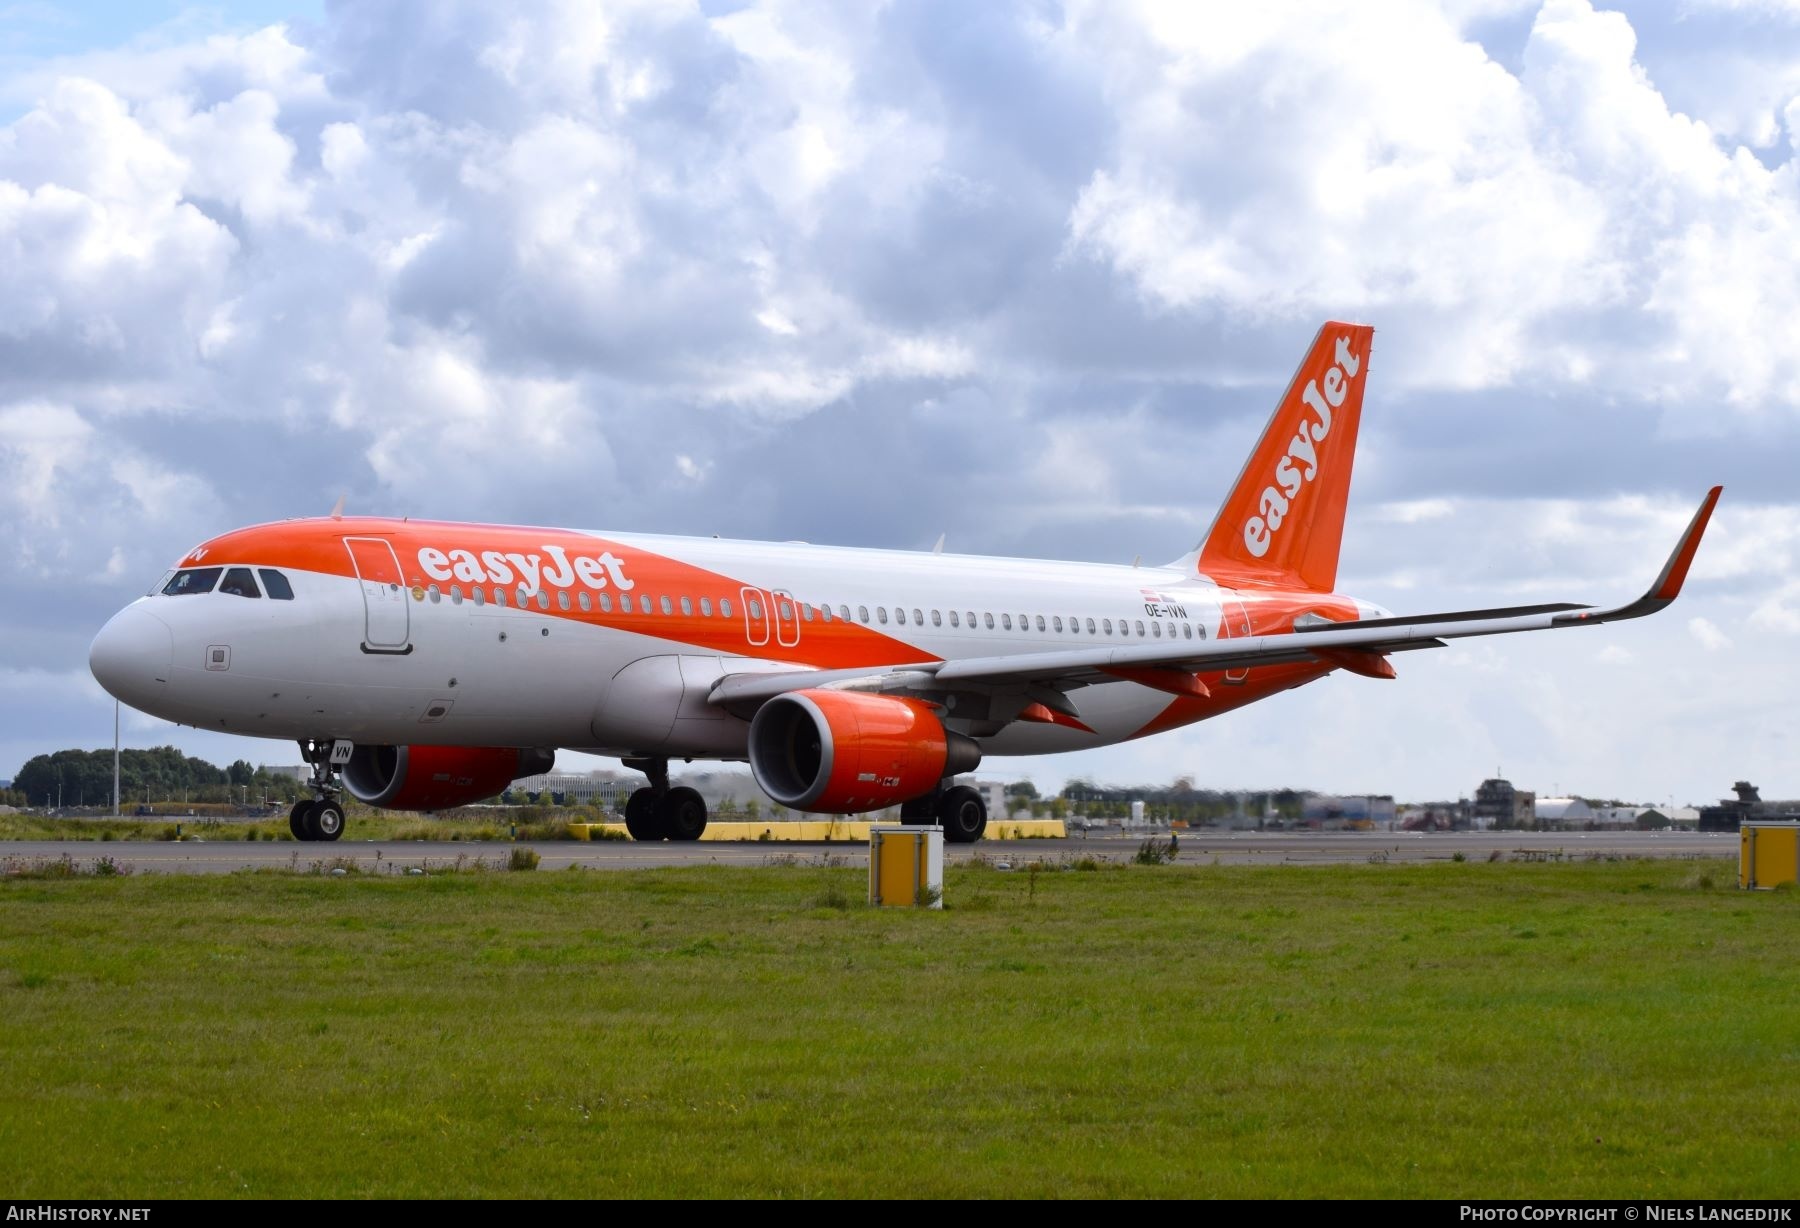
x: 1768, y: 855
x: 906, y: 866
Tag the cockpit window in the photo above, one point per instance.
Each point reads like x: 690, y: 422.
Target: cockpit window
x: 239, y: 582
x: 275, y: 584
x: 192, y: 580
x: 158, y: 586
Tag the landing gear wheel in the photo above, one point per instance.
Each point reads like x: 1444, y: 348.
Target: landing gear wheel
x: 963, y: 814
x: 300, y: 820
x: 641, y: 817
x: 683, y: 813
x: 326, y: 821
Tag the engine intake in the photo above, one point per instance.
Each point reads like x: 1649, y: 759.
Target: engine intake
x: 437, y: 777
x: 846, y: 752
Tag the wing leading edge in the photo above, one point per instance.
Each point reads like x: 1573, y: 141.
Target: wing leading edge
x: 1338, y: 644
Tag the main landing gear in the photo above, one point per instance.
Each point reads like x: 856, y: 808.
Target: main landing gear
x: 658, y: 812
x: 958, y: 809
x: 321, y: 816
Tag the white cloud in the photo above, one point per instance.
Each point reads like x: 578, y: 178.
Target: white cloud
x: 1709, y: 636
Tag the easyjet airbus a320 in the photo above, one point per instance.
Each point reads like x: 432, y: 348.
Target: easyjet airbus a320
x: 423, y: 665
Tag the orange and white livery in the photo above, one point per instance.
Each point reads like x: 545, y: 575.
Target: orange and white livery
x: 423, y: 664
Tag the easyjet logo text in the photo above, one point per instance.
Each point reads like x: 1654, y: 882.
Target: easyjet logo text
x: 555, y: 567
x: 1300, y: 464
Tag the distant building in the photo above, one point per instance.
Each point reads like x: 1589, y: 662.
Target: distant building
x: 1498, y: 804
x: 1349, y: 810
x: 1562, y: 812
x: 5, y: 784
x: 297, y: 771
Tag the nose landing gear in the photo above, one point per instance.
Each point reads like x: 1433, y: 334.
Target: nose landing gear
x: 658, y: 812
x: 320, y: 817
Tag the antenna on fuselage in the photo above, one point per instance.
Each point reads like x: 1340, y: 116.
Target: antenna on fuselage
x: 939, y: 548
x: 337, y: 509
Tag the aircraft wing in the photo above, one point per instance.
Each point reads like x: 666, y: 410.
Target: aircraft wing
x: 1358, y: 646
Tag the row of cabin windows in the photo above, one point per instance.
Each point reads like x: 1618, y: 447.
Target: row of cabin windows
x: 524, y: 598
x: 232, y: 581
x: 238, y: 582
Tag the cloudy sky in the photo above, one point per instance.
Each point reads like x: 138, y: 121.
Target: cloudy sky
x: 1029, y: 274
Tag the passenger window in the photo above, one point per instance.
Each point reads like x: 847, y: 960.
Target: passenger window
x: 240, y: 583
x: 706, y: 607
x: 522, y: 598
x: 954, y: 621
x: 1187, y: 631
x: 562, y: 598
x: 1090, y: 626
x: 900, y: 615
x: 644, y: 606
x: 500, y: 597
x: 1171, y: 630
x: 787, y: 612
x: 1040, y: 623
x: 456, y: 594
x: 668, y: 607
x: 276, y: 585
x: 1006, y: 622
x: 480, y: 596
x: 881, y: 614
x: 825, y: 612
x: 543, y: 600
x: 844, y: 612
x: 970, y: 615
x: 724, y: 607
x: 1056, y: 622
x: 806, y: 611
x: 1157, y: 628
x: 586, y: 603
x: 1140, y: 626
x: 755, y: 608
x: 433, y: 593
x: 987, y: 620
x: 606, y: 603
x: 862, y: 612
x: 918, y: 617
x: 687, y: 606
x: 1107, y: 623
x: 1024, y: 622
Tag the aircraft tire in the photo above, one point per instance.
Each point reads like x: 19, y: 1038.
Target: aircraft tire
x: 643, y: 820
x: 963, y: 815
x: 300, y: 819
x: 682, y: 814
x: 326, y: 821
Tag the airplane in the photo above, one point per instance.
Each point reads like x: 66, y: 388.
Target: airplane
x: 423, y: 665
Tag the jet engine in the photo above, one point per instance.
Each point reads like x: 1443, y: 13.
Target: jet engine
x: 846, y: 752
x: 437, y: 777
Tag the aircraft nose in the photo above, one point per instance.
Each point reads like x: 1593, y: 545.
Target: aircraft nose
x: 132, y: 655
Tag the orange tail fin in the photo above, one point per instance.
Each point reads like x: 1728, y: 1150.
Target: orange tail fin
x: 1283, y: 522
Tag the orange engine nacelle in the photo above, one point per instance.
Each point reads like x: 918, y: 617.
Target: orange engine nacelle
x: 437, y: 777
x: 845, y: 752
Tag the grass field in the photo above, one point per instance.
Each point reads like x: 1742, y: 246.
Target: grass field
x: 1607, y: 1029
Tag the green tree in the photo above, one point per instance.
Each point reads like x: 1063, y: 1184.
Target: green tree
x: 752, y: 810
x: 1022, y: 790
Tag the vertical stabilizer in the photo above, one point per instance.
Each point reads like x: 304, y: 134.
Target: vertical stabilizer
x: 1283, y: 522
